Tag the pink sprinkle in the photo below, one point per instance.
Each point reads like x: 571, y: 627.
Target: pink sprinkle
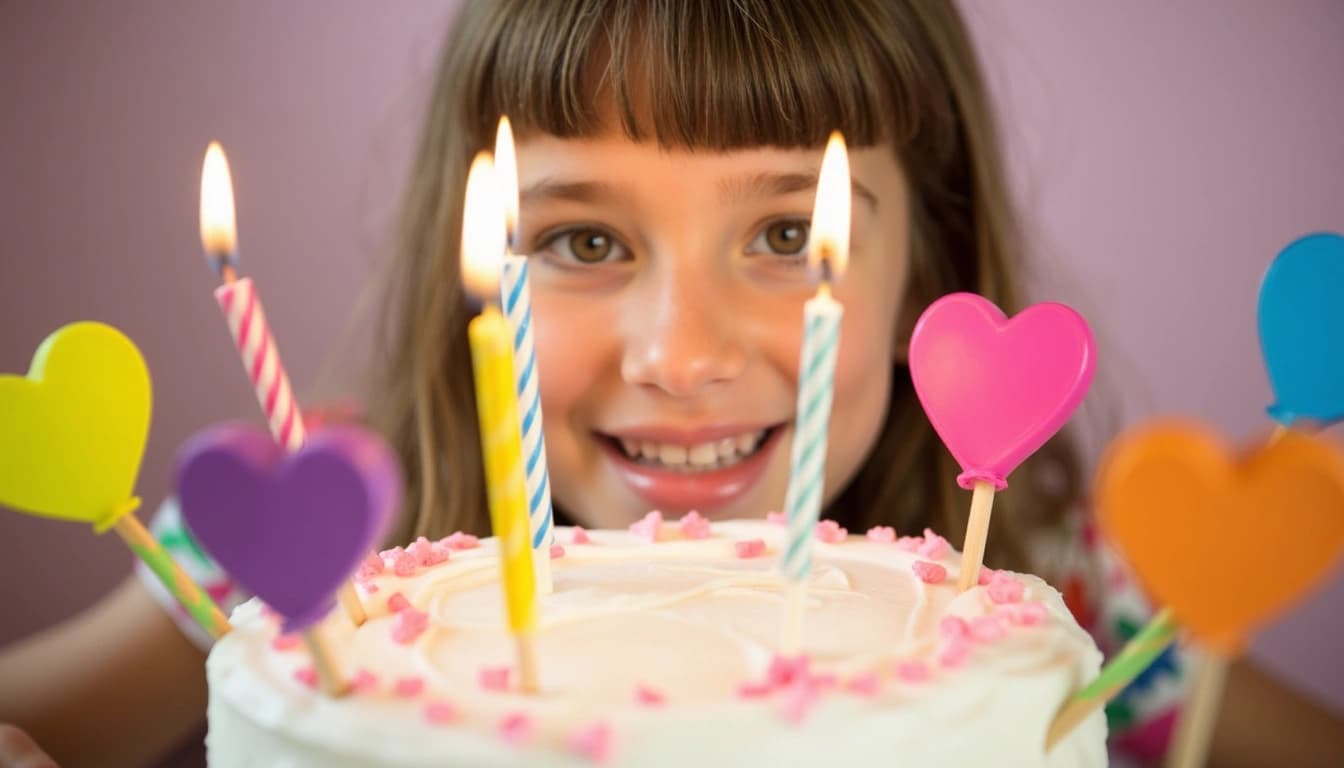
x: 1028, y: 614
x: 398, y: 603
x: 986, y: 575
x: 909, y: 543
x: 428, y: 553
x: 579, y: 536
x: 557, y: 551
x: 372, y: 566
x: 929, y: 573
x: 648, y: 527
x: 754, y: 690
x: 459, y: 540
x: 785, y: 670
x: 749, y: 548
x: 798, y: 702
x: 388, y: 554
x: 408, y: 625
x: 953, y: 627
x: 515, y: 728
x: 364, y: 682
x: 409, y: 687
x: 403, y: 563
x: 776, y: 518
x: 494, y: 678
x: 439, y: 712
x: 830, y: 532
x: 286, y: 642
x: 883, y: 534
x: 593, y: 742
x: 370, y: 589
x: 912, y: 671
x: 649, y: 697
x: 988, y: 629
x: 934, y: 546
x: 955, y: 652
x: 1005, y: 589
x: 823, y: 681
x: 694, y: 526
x: 307, y: 676
x: 866, y: 684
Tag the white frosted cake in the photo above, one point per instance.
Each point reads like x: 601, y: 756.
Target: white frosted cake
x: 656, y: 648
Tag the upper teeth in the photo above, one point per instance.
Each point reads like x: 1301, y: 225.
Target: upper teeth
x: 719, y: 453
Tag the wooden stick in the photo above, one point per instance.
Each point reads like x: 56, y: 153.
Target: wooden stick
x: 977, y: 532
x: 328, y: 678
x: 1194, y: 726
x: 179, y: 584
x: 1137, y: 655
x: 527, y: 662
x: 350, y: 602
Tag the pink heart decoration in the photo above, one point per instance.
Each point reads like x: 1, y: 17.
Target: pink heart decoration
x: 996, y: 388
x: 288, y: 528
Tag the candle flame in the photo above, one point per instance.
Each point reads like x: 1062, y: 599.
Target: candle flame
x: 830, y: 216
x: 219, y: 228
x: 483, y: 230
x: 506, y: 173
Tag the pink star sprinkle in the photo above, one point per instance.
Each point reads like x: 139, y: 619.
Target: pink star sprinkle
x: 1028, y: 614
x: 494, y: 678
x: 648, y: 527
x: 883, y: 534
x: 409, y: 687
x: 934, y: 546
x: 370, y: 589
x: 955, y: 652
x: 988, y: 629
x: 912, y: 671
x: 408, y: 625
x: 749, y: 548
x: 398, y: 603
x: 307, y: 676
x: 929, y: 573
x: 593, y: 742
x: 579, y: 536
x: 647, y: 696
x: 364, y: 682
x: 952, y: 627
x: 866, y: 684
x: 754, y: 690
x: 286, y: 642
x: 557, y: 551
x: 403, y: 563
x: 776, y: 518
x: 909, y: 543
x: 428, y: 553
x: 694, y: 526
x: 372, y: 566
x: 986, y: 575
x: 785, y: 670
x: 1005, y: 589
x: 439, y: 712
x: 459, y: 540
x: 515, y: 728
x: 830, y: 532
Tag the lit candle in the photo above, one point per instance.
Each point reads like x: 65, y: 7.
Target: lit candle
x: 517, y: 300
x: 490, y: 338
x: 816, y: 373
x: 238, y: 300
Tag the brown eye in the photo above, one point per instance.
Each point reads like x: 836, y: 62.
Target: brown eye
x: 590, y: 246
x: 786, y: 237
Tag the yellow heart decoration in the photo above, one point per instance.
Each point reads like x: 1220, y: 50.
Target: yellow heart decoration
x: 73, y: 431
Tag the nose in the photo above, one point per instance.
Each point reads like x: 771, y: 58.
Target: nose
x: 681, y: 338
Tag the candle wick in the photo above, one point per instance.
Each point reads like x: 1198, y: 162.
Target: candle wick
x: 827, y: 274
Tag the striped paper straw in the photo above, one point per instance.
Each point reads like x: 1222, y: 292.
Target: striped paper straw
x: 518, y: 309
x: 261, y: 360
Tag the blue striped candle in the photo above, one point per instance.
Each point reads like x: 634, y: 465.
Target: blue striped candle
x: 517, y: 303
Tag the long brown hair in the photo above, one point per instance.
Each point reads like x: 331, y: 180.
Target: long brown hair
x: 714, y: 75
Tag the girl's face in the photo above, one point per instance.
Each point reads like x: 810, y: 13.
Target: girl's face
x: 668, y: 290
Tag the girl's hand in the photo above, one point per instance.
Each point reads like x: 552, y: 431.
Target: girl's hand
x: 18, y: 750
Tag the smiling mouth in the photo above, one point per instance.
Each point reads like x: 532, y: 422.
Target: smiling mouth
x: 689, y: 459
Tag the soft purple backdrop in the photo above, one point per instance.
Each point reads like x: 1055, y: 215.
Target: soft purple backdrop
x: 1162, y: 151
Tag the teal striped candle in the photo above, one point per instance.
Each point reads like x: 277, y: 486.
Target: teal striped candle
x: 517, y: 303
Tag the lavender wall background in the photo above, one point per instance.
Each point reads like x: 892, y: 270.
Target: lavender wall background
x: 1162, y: 151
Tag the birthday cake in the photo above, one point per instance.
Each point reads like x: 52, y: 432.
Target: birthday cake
x: 657, y: 648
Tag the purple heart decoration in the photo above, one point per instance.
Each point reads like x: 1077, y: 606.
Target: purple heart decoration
x: 996, y: 388
x: 288, y: 528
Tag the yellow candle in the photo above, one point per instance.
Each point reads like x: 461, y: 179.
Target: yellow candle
x: 497, y: 408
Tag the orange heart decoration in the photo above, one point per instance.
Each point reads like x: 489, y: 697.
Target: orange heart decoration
x: 1225, y: 541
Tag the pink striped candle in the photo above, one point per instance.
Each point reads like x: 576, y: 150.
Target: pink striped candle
x: 252, y: 336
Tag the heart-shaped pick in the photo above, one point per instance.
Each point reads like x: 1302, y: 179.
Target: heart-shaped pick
x: 1301, y: 316
x: 72, y: 432
x: 288, y: 528
x: 1208, y: 534
x: 996, y: 388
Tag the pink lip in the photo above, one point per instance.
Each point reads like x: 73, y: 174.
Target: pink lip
x: 685, y: 491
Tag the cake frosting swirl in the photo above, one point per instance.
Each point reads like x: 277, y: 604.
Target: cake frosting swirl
x: 657, y: 648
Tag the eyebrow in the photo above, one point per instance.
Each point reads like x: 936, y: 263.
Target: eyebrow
x: 572, y: 191
x: 755, y: 185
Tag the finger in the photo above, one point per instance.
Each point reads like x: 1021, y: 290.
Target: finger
x: 18, y: 750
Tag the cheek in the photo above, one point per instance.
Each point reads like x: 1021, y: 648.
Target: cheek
x: 567, y: 355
